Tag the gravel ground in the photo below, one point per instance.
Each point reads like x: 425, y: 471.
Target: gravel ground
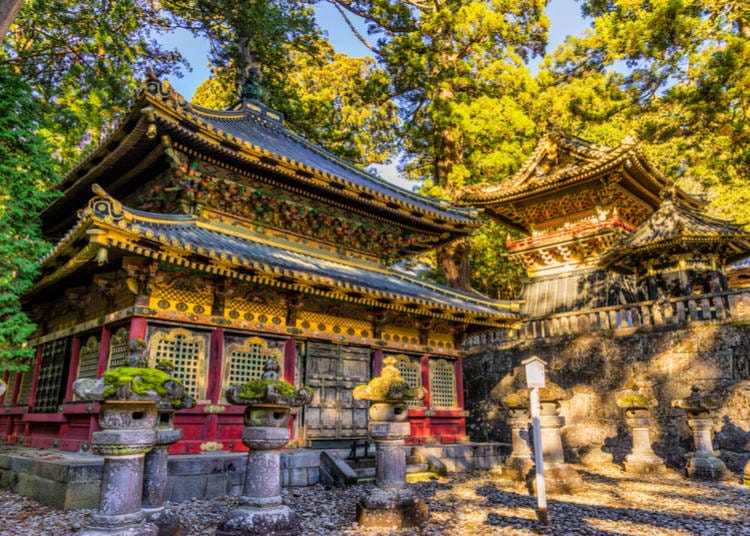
x: 473, y: 503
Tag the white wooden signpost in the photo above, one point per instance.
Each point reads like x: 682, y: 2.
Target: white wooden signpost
x: 534, y: 380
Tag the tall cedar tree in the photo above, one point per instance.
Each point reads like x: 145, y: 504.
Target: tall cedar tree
x: 27, y: 173
x: 457, y: 73
x: 685, y: 68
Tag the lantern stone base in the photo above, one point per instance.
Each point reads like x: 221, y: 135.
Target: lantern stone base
x: 643, y: 464
x: 517, y: 468
x: 393, y: 508
x: 707, y: 468
x: 277, y: 520
x: 165, y: 520
x: 560, y: 478
x: 127, y: 526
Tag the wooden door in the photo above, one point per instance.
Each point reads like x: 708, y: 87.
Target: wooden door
x: 332, y: 371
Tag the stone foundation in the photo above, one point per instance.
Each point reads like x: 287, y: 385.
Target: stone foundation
x: 596, y: 367
x: 69, y: 481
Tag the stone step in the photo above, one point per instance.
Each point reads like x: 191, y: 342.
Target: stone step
x: 365, y: 472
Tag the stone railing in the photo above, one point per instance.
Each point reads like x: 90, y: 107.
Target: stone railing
x: 732, y: 305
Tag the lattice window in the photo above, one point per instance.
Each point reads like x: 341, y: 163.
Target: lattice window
x: 442, y: 384
x: 118, y: 348
x: 411, y: 371
x: 88, y: 358
x: 187, y: 352
x: 244, y: 362
x: 50, y: 387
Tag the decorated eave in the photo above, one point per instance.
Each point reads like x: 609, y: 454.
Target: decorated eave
x: 249, y: 140
x: 212, y: 248
x: 675, y: 228
x: 561, y: 161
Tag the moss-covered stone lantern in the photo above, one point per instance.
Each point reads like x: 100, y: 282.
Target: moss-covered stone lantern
x: 128, y: 418
x: 637, y: 408
x: 268, y: 402
x: 704, y: 463
x: 391, y: 503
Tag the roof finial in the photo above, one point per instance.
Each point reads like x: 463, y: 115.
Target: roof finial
x: 251, y: 85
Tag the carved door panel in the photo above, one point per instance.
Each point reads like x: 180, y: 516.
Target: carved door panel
x: 332, y: 372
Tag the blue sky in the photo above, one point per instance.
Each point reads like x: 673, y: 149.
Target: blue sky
x: 564, y: 15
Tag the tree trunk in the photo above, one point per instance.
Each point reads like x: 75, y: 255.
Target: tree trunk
x: 453, y: 259
x: 8, y: 11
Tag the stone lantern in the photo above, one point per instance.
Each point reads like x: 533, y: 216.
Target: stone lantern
x: 269, y: 402
x: 703, y: 463
x: 391, y: 503
x: 637, y: 409
x: 128, y: 418
x: 559, y: 476
x: 156, y: 461
x: 520, y: 461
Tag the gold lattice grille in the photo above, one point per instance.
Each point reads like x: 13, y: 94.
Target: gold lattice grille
x: 257, y: 313
x: 118, y: 348
x: 244, y: 362
x: 187, y: 352
x: 440, y: 340
x: 88, y: 358
x: 442, y: 384
x: 49, y: 384
x: 334, y: 324
x: 411, y: 371
x: 181, y: 295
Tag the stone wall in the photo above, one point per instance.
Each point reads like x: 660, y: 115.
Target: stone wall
x: 596, y: 367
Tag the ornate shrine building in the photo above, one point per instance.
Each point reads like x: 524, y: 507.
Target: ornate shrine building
x: 575, y: 200
x: 221, y: 238
x: 679, y: 251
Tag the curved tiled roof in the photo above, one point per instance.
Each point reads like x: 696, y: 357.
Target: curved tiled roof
x: 675, y: 226
x: 204, y: 245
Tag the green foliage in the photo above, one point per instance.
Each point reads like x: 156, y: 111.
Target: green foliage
x: 684, y: 86
x: 26, y: 176
x: 492, y: 273
x: 83, y: 61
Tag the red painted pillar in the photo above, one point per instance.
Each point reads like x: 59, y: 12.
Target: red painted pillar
x: 377, y: 362
x: 288, y: 372
x: 101, y: 365
x: 213, y: 389
x: 138, y: 327
x: 459, y: 383
x: 215, y: 358
x: 290, y: 360
x: 75, y: 353
x: 424, y: 363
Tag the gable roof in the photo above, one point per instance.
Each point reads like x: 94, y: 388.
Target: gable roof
x: 251, y: 139
x: 675, y: 227
x: 561, y: 161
